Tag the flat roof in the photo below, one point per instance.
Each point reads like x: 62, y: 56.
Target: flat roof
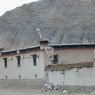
x: 55, y: 46
x: 21, y: 51
x: 76, y: 45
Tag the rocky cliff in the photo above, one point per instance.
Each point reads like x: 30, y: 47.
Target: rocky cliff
x: 60, y: 21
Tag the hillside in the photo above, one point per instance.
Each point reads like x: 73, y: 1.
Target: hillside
x: 62, y: 21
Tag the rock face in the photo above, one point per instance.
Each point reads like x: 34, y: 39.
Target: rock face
x: 60, y: 21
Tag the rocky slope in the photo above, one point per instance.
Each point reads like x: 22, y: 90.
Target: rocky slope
x: 60, y: 21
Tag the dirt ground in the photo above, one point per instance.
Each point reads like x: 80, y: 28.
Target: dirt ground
x: 29, y: 87
x: 32, y: 92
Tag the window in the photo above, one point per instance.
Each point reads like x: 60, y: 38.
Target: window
x: 34, y: 59
x: 18, y: 61
x: 35, y: 75
x: 5, y: 62
x: 6, y: 76
x: 19, y: 76
x: 55, y: 61
x: 63, y: 71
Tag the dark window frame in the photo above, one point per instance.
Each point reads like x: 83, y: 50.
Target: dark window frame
x: 34, y: 59
x: 5, y: 62
x: 55, y: 61
x: 18, y: 61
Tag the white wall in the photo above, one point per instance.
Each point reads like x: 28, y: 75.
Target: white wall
x: 84, y: 77
x: 11, y: 71
x: 27, y: 69
x: 2, y: 70
x: 56, y: 77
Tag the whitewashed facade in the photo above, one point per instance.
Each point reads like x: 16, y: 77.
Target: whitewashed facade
x: 82, y: 77
x: 31, y: 63
x: 22, y: 64
x: 23, y: 70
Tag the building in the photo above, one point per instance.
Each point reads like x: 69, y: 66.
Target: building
x: 22, y: 64
x: 71, y: 65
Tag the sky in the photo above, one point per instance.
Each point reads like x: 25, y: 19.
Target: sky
x: 6, y: 5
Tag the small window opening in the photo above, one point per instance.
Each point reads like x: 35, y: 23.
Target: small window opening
x: 5, y: 62
x: 18, y: 61
x: 6, y: 76
x: 34, y: 59
x: 55, y: 61
x: 35, y: 75
x: 47, y: 74
x: 19, y: 76
x: 63, y: 71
